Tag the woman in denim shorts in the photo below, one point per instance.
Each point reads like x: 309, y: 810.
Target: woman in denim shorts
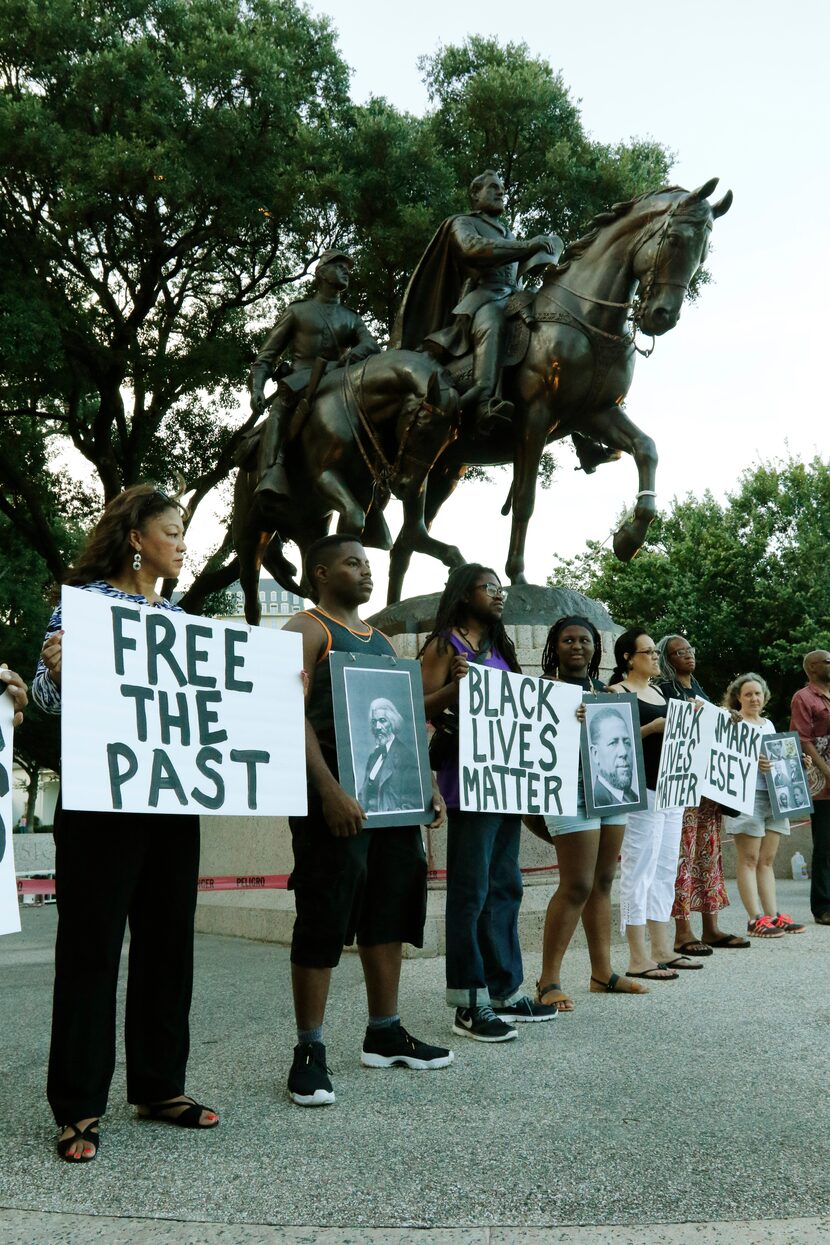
x: 587, y: 848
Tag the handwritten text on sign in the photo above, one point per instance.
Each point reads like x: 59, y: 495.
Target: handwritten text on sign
x: 706, y: 753
x: 162, y: 712
x: 519, y: 743
x: 9, y: 907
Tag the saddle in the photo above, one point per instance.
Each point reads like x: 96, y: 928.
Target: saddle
x: 519, y: 316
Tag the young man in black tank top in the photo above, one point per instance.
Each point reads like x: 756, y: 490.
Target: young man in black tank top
x: 348, y: 882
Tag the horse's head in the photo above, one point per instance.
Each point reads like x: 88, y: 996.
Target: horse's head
x: 668, y: 253
x: 427, y: 424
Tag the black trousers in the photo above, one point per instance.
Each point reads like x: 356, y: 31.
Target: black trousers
x: 820, y: 870
x: 111, y: 868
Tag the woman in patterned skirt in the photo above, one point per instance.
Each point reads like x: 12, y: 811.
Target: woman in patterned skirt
x: 699, y: 886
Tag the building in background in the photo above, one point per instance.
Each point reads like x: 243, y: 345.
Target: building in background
x: 277, y: 604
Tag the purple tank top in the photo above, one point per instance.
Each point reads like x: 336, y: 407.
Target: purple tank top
x: 447, y: 775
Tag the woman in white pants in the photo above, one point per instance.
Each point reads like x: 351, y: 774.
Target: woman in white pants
x: 651, y: 845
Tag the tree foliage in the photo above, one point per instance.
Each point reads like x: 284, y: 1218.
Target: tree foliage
x: 746, y: 581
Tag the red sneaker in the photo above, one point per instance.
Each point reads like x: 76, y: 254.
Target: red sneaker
x: 763, y: 927
x: 787, y: 924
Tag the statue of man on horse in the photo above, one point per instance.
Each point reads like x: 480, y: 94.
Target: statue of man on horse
x: 318, y: 334
x: 466, y: 290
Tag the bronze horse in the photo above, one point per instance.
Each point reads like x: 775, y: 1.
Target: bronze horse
x: 580, y: 360
x: 375, y: 430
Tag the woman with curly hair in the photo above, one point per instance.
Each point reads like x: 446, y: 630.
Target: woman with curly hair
x: 758, y: 834
x: 113, y: 868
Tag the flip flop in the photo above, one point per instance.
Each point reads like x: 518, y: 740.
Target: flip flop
x: 683, y: 962
x: 648, y: 975
x: 729, y: 942
x: 694, y: 948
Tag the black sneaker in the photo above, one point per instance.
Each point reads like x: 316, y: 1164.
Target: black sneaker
x: 309, y: 1084
x: 383, y: 1048
x: 525, y: 1010
x: 482, y: 1024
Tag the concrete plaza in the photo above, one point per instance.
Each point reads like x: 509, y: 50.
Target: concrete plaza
x: 698, y: 1113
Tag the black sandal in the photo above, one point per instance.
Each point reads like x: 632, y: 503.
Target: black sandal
x: 80, y: 1134
x: 190, y: 1117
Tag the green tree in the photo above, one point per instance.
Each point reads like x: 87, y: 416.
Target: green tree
x: 166, y: 177
x: 498, y: 106
x: 745, y: 580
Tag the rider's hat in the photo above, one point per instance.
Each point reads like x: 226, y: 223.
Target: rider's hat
x: 331, y: 257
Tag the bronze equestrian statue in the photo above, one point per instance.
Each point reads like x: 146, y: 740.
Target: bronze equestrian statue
x: 531, y: 368
x: 572, y: 376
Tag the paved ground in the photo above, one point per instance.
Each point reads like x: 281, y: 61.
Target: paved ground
x: 703, y: 1105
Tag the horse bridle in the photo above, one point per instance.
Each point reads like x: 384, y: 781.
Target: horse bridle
x: 386, y: 474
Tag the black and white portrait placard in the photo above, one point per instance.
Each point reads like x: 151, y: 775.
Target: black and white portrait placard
x: 789, y: 793
x: 381, y: 737
x: 612, y: 755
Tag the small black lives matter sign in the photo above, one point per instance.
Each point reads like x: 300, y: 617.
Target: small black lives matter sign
x: 707, y: 752
x: 519, y: 743
x: 163, y: 712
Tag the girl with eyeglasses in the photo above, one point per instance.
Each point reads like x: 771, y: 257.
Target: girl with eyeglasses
x: 484, y: 882
x: 699, y: 886
x: 114, y: 868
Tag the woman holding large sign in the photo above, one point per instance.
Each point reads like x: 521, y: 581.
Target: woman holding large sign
x: 110, y: 869
x: 652, y: 838
x: 699, y: 886
x: 587, y: 848
x: 484, y: 881
x: 758, y: 834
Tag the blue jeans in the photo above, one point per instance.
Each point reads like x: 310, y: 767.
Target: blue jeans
x: 484, y: 892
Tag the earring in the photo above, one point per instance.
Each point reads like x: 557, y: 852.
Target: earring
x: 137, y: 560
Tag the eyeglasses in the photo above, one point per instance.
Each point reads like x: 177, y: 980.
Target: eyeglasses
x: 493, y: 590
x: 683, y: 652
x: 646, y: 652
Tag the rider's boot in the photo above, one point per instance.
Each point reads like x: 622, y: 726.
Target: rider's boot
x: 592, y: 454
x: 273, y: 481
x: 493, y: 415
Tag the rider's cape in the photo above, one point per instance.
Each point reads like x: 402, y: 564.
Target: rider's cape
x: 434, y: 290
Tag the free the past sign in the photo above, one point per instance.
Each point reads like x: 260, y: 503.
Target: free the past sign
x: 164, y: 712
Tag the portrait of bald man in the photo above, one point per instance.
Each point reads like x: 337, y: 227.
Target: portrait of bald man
x: 613, y: 765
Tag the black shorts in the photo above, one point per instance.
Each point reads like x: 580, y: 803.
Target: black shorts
x: 371, y: 886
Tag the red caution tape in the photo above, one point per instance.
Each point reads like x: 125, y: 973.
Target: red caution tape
x: 239, y: 882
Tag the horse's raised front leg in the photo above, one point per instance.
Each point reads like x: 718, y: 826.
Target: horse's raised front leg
x: 415, y: 538
x: 615, y: 429
x: 530, y: 445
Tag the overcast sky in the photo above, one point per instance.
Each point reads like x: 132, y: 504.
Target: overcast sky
x: 737, y: 90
